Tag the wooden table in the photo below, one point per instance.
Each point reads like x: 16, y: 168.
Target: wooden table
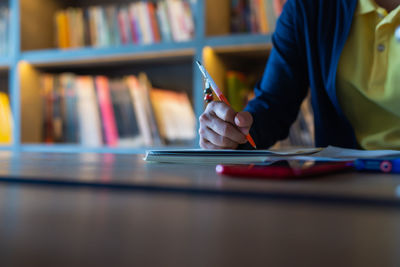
x: 116, y: 210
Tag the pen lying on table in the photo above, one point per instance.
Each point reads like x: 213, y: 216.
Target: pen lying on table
x: 378, y: 165
x: 219, y: 94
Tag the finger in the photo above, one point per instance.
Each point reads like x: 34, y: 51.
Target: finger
x: 222, y: 111
x: 218, y: 140
x: 205, y: 144
x: 244, y: 120
x: 220, y: 127
x: 228, y: 130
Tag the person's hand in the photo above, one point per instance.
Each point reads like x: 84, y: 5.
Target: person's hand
x: 223, y: 128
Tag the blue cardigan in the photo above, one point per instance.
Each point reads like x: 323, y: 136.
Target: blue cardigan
x: 307, y: 44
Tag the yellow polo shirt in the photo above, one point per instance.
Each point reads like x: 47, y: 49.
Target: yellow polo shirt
x: 368, y: 78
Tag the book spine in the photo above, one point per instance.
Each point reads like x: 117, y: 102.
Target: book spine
x: 162, y: 15
x: 263, y: 16
x: 47, y: 95
x: 107, y: 112
x: 71, y: 109
x: 94, y: 35
x: 62, y: 30
x: 153, y: 22
x: 140, y: 109
x: 144, y: 22
x: 5, y: 119
x: 135, y: 31
x: 89, y: 120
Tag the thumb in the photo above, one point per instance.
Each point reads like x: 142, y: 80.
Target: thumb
x: 243, y: 121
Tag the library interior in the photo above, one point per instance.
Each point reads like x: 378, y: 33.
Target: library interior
x: 100, y: 159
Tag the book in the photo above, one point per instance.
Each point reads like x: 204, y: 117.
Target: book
x: 57, y: 110
x: 88, y: 113
x: 124, y: 111
x: 278, y: 6
x: 110, y: 132
x: 174, y: 115
x: 227, y: 156
x: 4, y: 30
x: 138, y: 22
x: 47, y: 86
x: 251, y: 16
x: 146, y: 87
x: 62, y: 30
x: 162, y: 18
x: 6, y: 122
x: 125, y: 117
x: 138, y: 100
x: 223, y: 156
x: 153, y: 22
x: 70, y: 118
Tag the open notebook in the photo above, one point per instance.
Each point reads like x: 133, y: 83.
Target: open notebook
x: 330, y: 153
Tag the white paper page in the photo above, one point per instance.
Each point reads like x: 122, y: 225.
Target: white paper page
x: 344, y: 153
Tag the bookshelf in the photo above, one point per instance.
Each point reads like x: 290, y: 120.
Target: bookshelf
x: 168, y: 64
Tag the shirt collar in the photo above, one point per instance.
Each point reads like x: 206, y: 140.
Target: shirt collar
x: 366, y: 6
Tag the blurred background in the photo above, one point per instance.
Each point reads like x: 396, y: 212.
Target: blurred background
x: 119, y: 76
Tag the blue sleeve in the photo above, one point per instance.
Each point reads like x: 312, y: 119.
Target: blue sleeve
x: 284, y: 84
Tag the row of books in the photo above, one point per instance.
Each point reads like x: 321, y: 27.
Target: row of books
x: 143, y: 22
x: 253, y: 15
x: 4, y: 30
x: 118, y: 112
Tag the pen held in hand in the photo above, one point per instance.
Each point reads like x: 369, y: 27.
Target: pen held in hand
x: 219, y: 94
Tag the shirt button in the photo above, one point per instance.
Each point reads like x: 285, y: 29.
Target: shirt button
x: 381, y: 48
x: 397, y: 34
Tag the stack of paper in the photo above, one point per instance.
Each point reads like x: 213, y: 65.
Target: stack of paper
x: 256, y: 156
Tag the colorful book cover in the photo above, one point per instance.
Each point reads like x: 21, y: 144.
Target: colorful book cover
x: 89, y: 117
x: 135, y: 27
x: 264, y: 27
x: 162, y: 16
x: 94, y: 36
x: 62, y: 30
x: 71, y: 122
x: 57, y: 116
x: 126, y: 120
x: 174, y: 114
x: 47, y: 96
x: 144, y: 22
x: 124, y: 25
x: 107, y: 111
x: 136, y: 93
x: 146, y: 88
x: 112, y: 25
x: 154, y: 24
x: 6, y: 123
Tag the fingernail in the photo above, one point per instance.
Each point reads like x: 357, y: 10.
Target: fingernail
x: 237, y: 120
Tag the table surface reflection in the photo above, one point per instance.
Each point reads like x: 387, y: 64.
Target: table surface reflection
x: 117, y: 210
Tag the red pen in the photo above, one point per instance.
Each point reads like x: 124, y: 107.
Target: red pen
x: 219, y: 94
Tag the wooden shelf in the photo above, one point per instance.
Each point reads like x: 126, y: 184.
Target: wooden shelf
x: 239, y: 42
x: 5, y: 63
x: 72, y: 148
x: 5, y: 147
x: 57, y: 57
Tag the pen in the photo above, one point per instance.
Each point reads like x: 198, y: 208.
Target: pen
x: 219, y: 94
x: 378, y: 165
